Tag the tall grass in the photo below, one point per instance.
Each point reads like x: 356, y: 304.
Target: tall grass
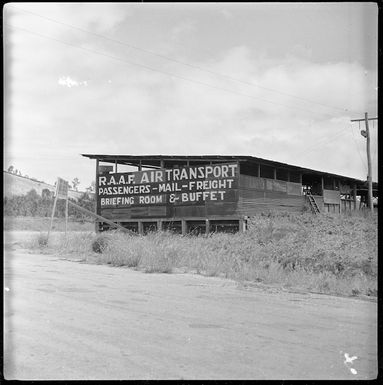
x: 326, y: 254
x: 73, y: 243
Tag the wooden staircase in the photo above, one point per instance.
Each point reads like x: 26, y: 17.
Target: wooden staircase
x: 313, y: 204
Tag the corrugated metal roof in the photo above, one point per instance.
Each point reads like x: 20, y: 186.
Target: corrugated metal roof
x: 154, y: 161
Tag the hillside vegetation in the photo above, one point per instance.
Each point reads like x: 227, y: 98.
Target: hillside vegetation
x: 325, y: 253
x: 16, y: 184
x: 34, y: 205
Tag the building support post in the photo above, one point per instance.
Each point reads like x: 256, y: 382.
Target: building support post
x: 184, y: 227
x: 340, y: 199
x: 140, y: 228
x: 354, y: 195
x: 322, y: 182
x: 243, y: 224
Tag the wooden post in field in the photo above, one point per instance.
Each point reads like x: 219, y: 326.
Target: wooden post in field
x: 53, y: 213
x: 366, y: 133
x: 61, y: 192
x: 369, y: 177
x: 66, y: 216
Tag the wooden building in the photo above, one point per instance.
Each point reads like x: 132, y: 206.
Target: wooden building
x: 211, y: 192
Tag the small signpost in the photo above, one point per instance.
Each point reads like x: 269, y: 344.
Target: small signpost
x: 62, y: 188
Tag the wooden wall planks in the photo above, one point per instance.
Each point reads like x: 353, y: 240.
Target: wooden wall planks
x: 262, y: 194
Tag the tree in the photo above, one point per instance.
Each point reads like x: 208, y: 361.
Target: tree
x: 92, y: 187
x: 10, y: 169
x: 75, y: 183
x: 46, y: 194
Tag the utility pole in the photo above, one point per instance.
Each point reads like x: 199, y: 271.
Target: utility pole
x: 366, y: 134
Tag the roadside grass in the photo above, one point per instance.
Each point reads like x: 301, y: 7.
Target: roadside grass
x: 74, y: 245
x: 327, y: 254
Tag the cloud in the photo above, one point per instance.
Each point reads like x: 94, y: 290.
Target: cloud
x: 130, y: 110
x: 145, y: 112
x: 226, y: 13
x: 182, y: 29
x: 67, y: 81
x: 100, y: 17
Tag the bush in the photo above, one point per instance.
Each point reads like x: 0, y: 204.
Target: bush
x: 100, y: 243
x: 42, y: 240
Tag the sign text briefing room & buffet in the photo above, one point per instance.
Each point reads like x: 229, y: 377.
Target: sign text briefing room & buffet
x: 176, y: 186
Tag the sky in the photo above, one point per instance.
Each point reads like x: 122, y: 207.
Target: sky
x: 279, y: 81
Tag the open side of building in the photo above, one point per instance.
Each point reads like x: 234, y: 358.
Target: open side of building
x: 213, y: 193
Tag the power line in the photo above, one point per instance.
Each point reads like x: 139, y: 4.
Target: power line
x: 180, y: 62
x: 335, y: 136
x: 319, y: 144
x: 162, y: 72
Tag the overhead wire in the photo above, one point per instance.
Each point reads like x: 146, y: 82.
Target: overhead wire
x: 319, y: 143
x: 179, y: 61
x: 333, y: 137
x: 164, y: 72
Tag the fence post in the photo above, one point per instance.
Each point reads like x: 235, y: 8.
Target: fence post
x: 53, y: 213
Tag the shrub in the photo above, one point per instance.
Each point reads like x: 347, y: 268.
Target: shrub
x: 100, y: 243
x: 42, y: 240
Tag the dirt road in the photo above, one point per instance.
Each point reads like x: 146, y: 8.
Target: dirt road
x: 68, y: 320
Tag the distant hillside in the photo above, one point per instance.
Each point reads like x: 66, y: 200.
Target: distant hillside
x: 21, y: 185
